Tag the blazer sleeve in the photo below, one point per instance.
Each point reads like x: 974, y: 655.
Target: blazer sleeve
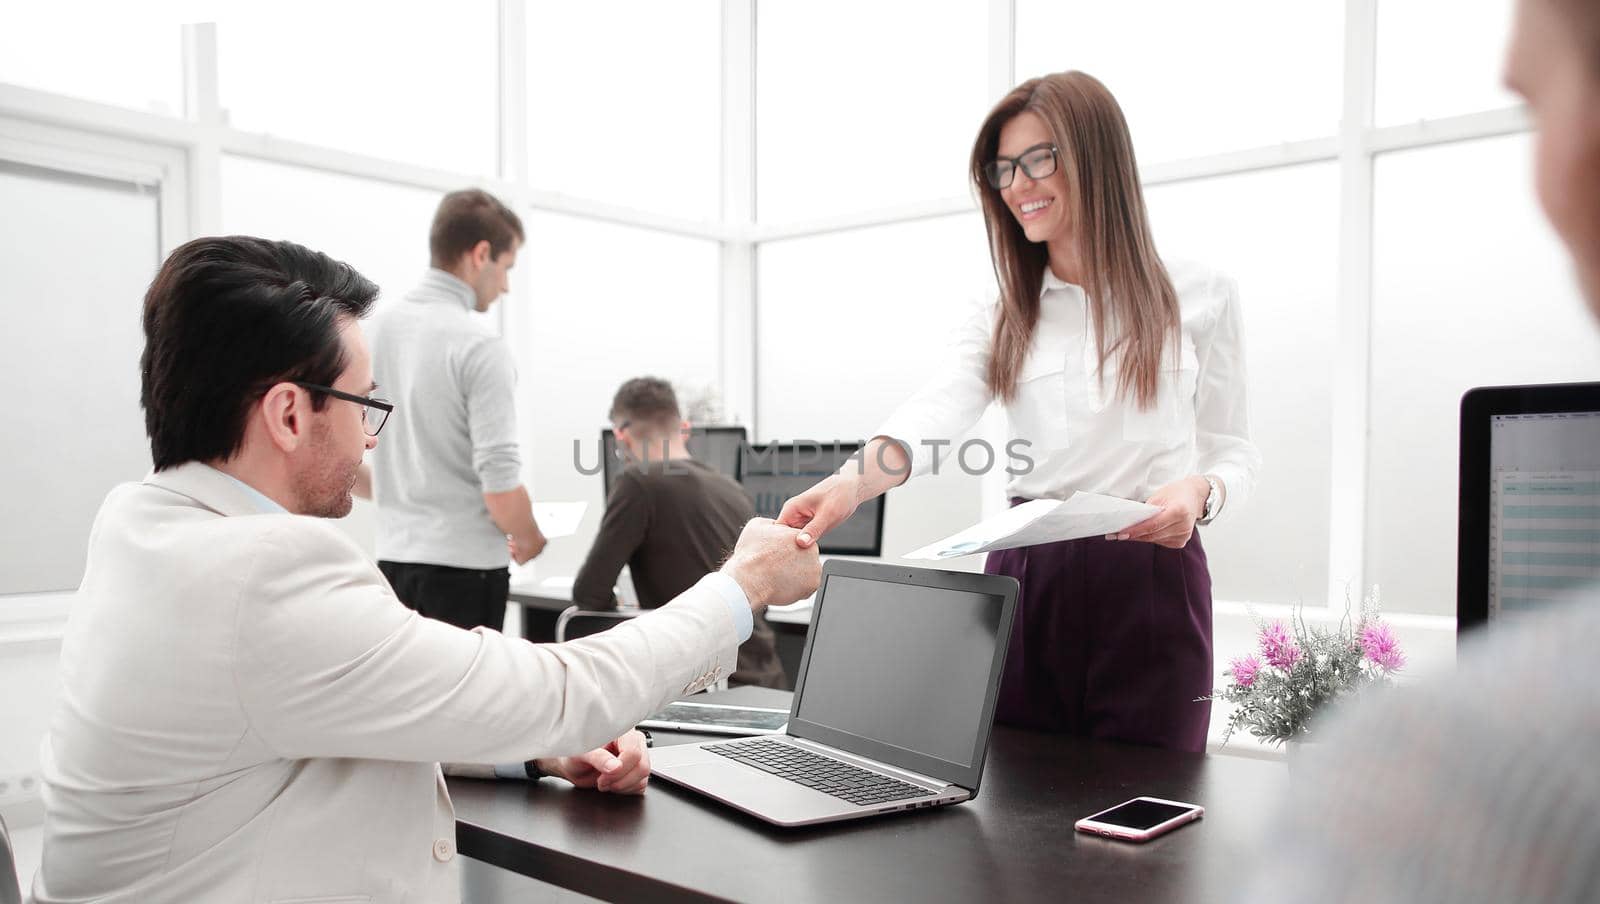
x: 328, y: 663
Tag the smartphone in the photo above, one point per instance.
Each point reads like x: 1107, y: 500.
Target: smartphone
x: 1141, y: 819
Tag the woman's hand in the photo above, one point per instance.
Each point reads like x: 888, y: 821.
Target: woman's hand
x: 882, y: 464
x: 822, y: 508
x: 621, y: 767
x: 1182, y: 503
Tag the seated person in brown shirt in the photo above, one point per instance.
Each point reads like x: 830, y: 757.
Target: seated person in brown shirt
x: 671, y: 519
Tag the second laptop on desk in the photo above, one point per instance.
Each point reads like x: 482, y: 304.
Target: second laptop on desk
x: 892, y: 705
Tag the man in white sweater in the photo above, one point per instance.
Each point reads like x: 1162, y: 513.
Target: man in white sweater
x: 448, y: 477
x: 247, y: 713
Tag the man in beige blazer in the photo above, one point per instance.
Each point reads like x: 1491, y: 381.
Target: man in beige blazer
x: 247, y: 713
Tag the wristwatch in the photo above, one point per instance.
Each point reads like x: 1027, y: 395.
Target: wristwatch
x: 1213, y: 500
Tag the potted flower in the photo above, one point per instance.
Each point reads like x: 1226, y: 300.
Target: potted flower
x: 1301, y: 668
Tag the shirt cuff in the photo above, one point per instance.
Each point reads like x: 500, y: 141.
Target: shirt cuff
x: 511, y: 770
x: 738, y: 604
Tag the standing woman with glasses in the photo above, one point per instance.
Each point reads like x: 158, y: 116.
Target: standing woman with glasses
x: 1125, y: 376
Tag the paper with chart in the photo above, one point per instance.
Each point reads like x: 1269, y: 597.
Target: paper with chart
x: 1041, y: 521
x: 559, y: 519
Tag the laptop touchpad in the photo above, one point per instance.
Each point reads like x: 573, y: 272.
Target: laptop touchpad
x: 755, y: 791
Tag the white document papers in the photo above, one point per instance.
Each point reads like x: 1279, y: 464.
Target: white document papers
x: 559, y: 519
x: 1041, y: 521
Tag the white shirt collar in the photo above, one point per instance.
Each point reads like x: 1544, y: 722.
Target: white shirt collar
x: 261, y: 500
x: 1053, y: 282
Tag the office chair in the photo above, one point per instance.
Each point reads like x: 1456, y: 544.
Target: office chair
x: 10, y: 893
x: 575, y: 623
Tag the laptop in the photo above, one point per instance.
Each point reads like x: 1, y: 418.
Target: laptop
x: 892, y: 704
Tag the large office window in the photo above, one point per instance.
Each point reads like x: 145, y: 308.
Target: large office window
x: 865, y: 115
x: 379, y: 228
x: 1461, y: 298
x: 865, y: 316
x: 1276, y: 233
x: 864, y: 105
x: 850, y: 325
x: 401, y: 82
x: 592, y: 305
x: 77, y: 253
x: 1193, y: 78
x: 1440, y: 58
x: 628, y: 115
x: 132, y: 55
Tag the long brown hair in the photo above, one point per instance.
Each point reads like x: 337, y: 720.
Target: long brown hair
x: 1125, y: 280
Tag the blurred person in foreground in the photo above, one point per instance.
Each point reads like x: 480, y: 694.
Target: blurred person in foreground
x: 1480, y: 786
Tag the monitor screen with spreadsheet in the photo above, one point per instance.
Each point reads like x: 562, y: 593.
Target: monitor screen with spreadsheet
x: 773, y: 473
x: 1530, y: 500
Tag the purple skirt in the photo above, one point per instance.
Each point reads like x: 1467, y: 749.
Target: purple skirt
x: 1112, y: 640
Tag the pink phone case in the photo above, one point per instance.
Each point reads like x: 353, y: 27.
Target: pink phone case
x: 1089, y: 826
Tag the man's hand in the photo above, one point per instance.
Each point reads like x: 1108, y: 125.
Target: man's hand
x: 1182, y: 503
x: 524, y: 549
x: 771, y: 567
x: 621, y: 767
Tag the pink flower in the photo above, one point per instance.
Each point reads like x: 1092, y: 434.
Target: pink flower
x: 1279, y: 647
x: 1380, y: 647
x: 1244, y: 669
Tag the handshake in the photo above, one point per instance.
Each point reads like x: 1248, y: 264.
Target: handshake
x: 770, y: 565
x: 776, y: 561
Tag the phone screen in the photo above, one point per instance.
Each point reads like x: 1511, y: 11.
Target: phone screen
x: 1140, y: 814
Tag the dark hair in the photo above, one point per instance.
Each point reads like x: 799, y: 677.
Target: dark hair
x: 464, y: 219
x: 226, y: 318
x: 646, y: 400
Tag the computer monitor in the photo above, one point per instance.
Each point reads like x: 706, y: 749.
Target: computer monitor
x: 1529, y: 517
x: 775, y: 472
x: 717, y: 447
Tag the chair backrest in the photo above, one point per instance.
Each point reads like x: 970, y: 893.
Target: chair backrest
x: 10, y: 893
x: 575, y: 622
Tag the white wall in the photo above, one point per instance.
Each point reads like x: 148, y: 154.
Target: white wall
x: 70, y: 357
x: 30, y: 644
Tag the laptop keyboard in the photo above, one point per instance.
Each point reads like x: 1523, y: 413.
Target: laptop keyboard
x: 830, y: 776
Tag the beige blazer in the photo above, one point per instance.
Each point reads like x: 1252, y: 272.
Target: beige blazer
x: 247, y: 713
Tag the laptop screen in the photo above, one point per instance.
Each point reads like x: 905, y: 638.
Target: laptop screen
x: 902, y: 672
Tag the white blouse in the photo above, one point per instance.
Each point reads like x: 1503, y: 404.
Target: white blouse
x: 1080, y: 434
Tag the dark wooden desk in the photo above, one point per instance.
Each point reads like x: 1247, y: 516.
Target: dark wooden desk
x: 1015, y: 842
